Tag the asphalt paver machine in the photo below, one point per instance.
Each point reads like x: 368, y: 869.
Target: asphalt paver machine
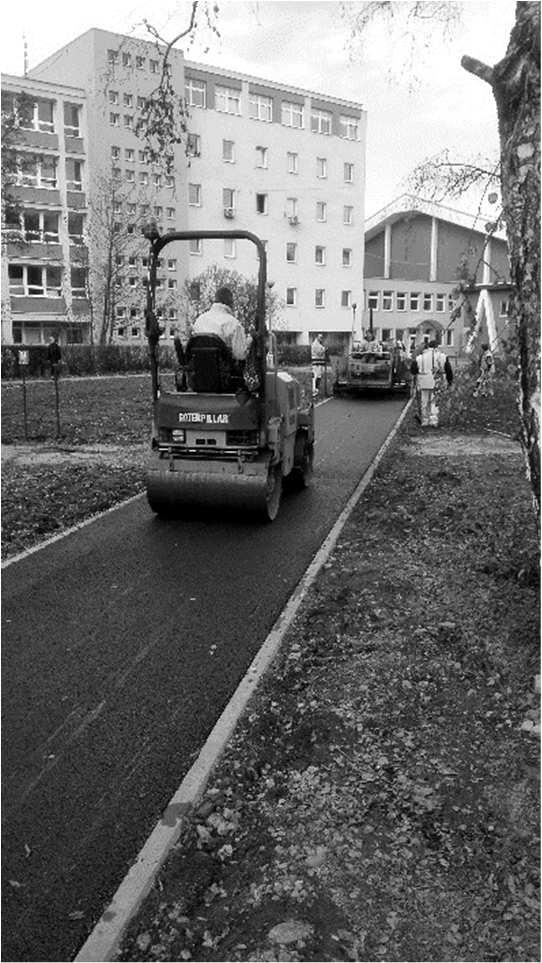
x: 230, y: 436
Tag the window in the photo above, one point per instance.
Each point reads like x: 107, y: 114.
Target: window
x: 126, y: 60
x: 142, y: 156
x: 78, y: 282
x: 75, y: 228
x: 261, y: 203
x: 349, y: 128
x: 195, y: 246
x: 112, y: 57
x: 134, y: 332
x: 113, y: 96
x: 291, y: 252
x: 172, y: 263
x: 414, y: 301
x: 319, y: 255
x: 504, y: 309
x: 321, y: 121
x: 128, y: 121
x: 451, y: 303
x: 40, y: 226
x: 74, y: 174
x: 129, y: 176
x: 291, y: 208
x: 229, y: 247
x: 228, y: 198
x: 293, y: 162
x: 348, y: 214
x: 387, y: 300
x: 169, y: 180
x: 71, y: 120
x: 449, y: 337
x: 140, y: 63
x: 227, y: 100
x: 260, y: 108
x: 143, y: 178
x: 373, y: 300
x: 346, y: 299
x: 321, y: 167
x: 427, y: 302
x: 153, y: 66
x: 132, y: 281
x: 401, y: 300
x: 170, y: 213
x: 193, y: 145
x: 320, y: 298
x: 114, y: 120
x: 441, y: 301
x: 34, y: 280
x: 291, y: 114
x: 132, y: 260
x: 228, y: 154
x: 172, y: 284
x: 116, y: 173
x: 129, y: 155
x: 399, y: 333
x: 261, y: 157
x: 349, y: 173
x: 141, y: 101
x: 128, y: 100
x: 194, y: 195
x: 291, y: 297
x: 115, y: 153
x: 347, y: 257
x: 157, y: 180
x: 195, y: 92
x: 321, y: 211
x: 131, y: 208
x: 386, y: 334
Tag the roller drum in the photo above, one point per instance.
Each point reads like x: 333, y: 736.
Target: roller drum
x: 214, y: 485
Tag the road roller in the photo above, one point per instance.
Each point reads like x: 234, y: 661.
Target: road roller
x: 231, y: 434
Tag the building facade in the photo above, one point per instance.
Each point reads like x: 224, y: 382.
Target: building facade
x: 283, y: 163
x: 416, y: 252
x: 44, y: 255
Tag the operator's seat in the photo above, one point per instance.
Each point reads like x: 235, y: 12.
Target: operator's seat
x: 210, y: 365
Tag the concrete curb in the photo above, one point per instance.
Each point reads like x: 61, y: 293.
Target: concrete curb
x: 106, y: 936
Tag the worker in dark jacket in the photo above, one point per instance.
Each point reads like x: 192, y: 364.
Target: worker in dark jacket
x: 54, y: 356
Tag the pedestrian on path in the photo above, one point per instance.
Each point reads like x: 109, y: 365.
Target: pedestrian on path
x: 318, y: 361
x: 430, y: 369
x: 484, y: 384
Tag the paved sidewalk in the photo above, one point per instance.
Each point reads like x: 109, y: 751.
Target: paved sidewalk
x: 378, y: 800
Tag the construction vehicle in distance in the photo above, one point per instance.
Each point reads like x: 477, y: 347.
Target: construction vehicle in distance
x: 373, y: 365
x: 230, y: 439
x: 382, y: 367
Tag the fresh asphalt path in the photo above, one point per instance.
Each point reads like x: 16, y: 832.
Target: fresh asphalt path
x: 122, y: 643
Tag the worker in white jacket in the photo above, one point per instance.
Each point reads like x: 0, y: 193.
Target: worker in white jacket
x: 428, y: 369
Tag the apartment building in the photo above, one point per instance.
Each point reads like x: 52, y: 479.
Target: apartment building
x: 284, y: 163
x: 415, y: 253
x: 44, y: 257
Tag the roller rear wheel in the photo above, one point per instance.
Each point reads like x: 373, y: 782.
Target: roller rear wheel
x: 273, y: 493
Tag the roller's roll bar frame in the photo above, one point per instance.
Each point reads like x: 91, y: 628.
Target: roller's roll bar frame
x: 157, y: 243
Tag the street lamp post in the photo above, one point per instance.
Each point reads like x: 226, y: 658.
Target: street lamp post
x: 354, y: 306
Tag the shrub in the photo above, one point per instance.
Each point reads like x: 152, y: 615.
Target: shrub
x: 294, y: 354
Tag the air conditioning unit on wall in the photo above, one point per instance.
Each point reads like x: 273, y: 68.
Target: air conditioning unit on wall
x: 293, y: 219
x: 229, y: 212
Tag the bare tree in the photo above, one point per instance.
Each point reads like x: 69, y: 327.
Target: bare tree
x: 515, y: 82
x: 198, y: 293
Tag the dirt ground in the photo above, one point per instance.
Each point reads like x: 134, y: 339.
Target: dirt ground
x: 379, y: 800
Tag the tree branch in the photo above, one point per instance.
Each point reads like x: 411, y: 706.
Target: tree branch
x: 477, y: 68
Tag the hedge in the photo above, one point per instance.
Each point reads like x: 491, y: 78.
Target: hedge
x: 84, y: 359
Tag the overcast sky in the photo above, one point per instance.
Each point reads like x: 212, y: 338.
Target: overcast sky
x: 306, y: 44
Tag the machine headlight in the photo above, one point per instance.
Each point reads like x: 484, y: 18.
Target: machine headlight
x: 179, y: 435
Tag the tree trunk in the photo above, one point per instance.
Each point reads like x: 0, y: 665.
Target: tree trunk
x: 515, y: 81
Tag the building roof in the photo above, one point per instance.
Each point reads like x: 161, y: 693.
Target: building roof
x: 410, y: 204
